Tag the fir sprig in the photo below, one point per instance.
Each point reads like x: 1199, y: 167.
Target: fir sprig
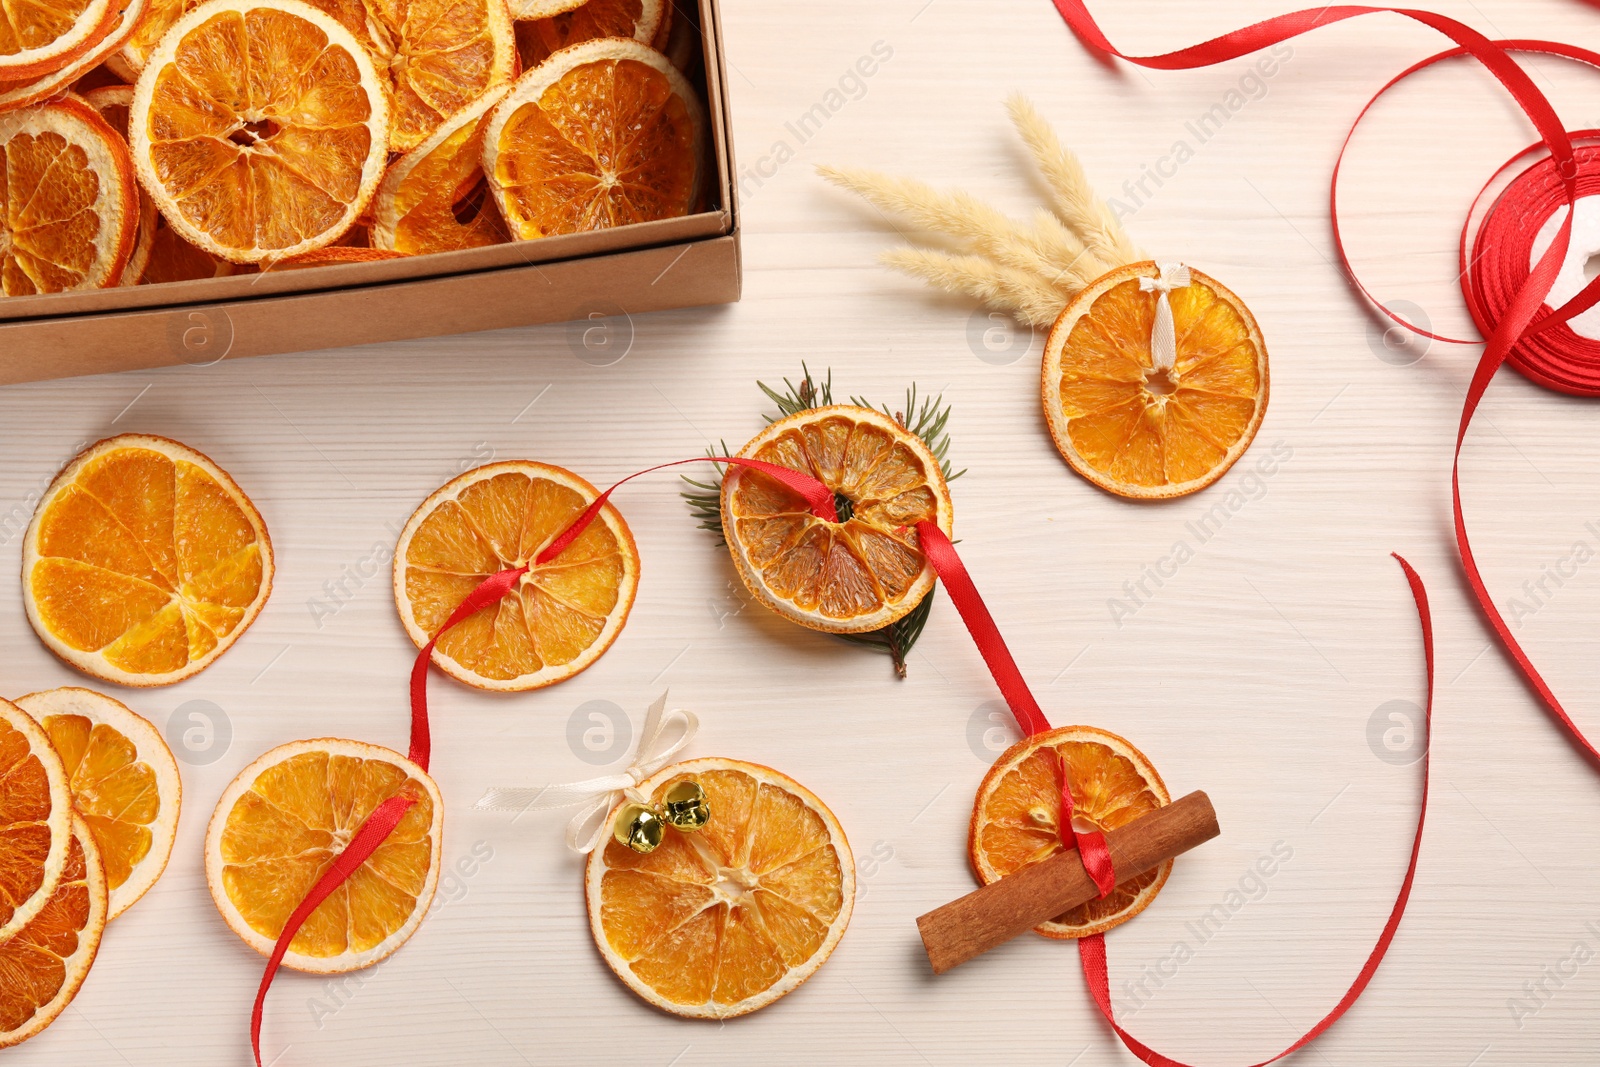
x: 928, y: 420
x: 705, y: 498
x: 797, y: 398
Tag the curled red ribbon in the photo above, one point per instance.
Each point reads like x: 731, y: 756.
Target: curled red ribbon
x: 1092, y: 845
x: 1092, y: 950
x: 1503, y: 288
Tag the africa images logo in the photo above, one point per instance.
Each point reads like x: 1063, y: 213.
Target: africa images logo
x: 1244, y: 489
x: 1252, y: 86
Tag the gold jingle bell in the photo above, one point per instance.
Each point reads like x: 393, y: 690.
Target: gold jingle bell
x: 638, y: 828
x: 685, y: 807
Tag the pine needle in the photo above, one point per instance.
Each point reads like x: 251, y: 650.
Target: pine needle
x: 1024, y: 295
x: 705, y: 498
x: 927, y: 421
x: 1051, y: 252
x: 1076, y: 201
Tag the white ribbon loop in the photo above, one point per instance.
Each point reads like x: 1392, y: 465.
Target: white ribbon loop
x: 599, y: 795
x: 1163, y: 336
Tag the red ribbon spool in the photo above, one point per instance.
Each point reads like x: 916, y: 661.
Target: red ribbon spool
x: 1498, y: 261
x: 1504, y: 286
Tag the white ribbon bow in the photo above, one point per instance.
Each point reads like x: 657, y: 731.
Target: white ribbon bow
x: 599, y: 795
x: 1163, y: 336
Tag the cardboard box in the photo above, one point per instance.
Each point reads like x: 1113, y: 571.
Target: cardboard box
x: 649, y: 266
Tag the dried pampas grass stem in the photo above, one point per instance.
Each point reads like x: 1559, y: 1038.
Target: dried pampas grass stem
x: 1018, y: 292
x: 1079, y: 205
x: 1031, y: 270
x: 1049, y: 251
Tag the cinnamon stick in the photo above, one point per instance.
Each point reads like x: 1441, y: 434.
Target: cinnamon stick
x: 991, y: 916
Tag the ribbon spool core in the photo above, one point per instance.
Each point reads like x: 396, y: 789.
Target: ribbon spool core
x: 1581, y: 265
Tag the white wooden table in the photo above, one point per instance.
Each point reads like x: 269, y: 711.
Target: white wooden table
x: 1257, y: 673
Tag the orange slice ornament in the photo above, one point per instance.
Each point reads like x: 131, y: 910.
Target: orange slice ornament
x: 866, y: 570
x: 286, y: 818
x: 1154, y: 379
x: 1016, y: 816
x: 714, y: 886
x: 563, y: 614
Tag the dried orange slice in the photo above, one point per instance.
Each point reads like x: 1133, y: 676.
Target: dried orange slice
x: 159, y: 254
x: 39, y: 38
x: 863, y: 572
x: 47, y: 960
x: 172, y: 259
x: 260, y: 128
x: 124, y: 783
x: 646, y: 21
x: 542, y: 9
x: 726, y: 920
x: 601, y: 134
x: 129, y: 60
x: 438, y: 56
x: 563, y: 614
x: 1016, y: 817
x: 69, y: 208
x: 144, y: 562
x: 112, y: 103
x: 22, y: 92
x: 1137, y: 431
x: 434, y: 198
x: 280, y: 825
x: 35, y: 819
x: 328, y: 257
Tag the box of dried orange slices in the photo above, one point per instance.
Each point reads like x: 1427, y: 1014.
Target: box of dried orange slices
x: 185, y: 182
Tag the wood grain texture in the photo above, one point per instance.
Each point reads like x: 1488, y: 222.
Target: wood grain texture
x: 1263, y: 671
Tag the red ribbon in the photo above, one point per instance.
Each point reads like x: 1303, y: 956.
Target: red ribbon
x: 938, y: 550
x: 942, y: 556
x: 1495, y: 281
x: 1092, y: 950
x: 1092, y: 846
x: 377, y: 827
x: 1503, y: 293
